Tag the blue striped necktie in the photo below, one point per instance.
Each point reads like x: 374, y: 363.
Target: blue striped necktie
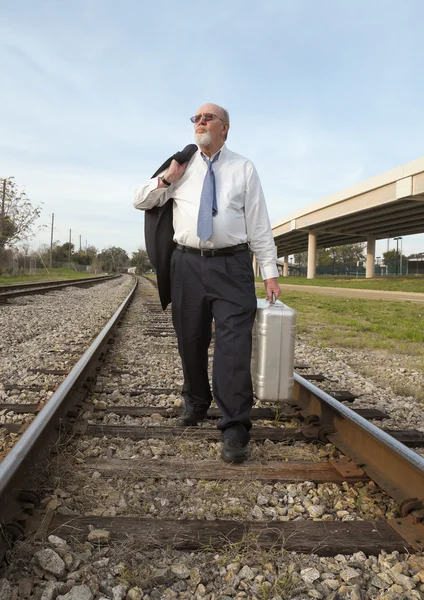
x: 208, y: 204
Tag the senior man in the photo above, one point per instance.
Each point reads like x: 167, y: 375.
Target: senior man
x: 219, y: 212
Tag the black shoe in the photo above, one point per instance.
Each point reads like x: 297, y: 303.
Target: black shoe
x: 233, y: 452
x: 191, y: 418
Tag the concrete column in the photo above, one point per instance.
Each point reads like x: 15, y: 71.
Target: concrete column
x: 312, y: 256
x: 286, y: 266
x: 370, y: 268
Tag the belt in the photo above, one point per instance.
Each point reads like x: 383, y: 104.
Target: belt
x: 213, y: 252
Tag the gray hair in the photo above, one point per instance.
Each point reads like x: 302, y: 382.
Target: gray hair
x: 226, y: 118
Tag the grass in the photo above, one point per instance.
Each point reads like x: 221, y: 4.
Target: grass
x: 405, y: 283
x: 43, y: 275
x: 358, y: 323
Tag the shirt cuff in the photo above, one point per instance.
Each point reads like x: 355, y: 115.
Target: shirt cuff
x: 269, y: 271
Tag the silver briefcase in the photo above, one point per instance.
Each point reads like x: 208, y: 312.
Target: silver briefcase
x: 273, y: 351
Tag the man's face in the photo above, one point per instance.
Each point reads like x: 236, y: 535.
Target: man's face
x: 210, y: 132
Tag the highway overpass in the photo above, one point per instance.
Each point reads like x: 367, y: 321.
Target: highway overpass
x: 386, y: 206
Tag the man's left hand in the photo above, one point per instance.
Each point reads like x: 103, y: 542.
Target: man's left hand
x: 272, y: 287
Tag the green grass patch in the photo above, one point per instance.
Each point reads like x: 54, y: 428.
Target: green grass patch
x: 358, y: 323
x: 409, y: 283
x: 43, y: 275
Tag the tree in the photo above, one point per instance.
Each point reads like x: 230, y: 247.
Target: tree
x: 392, y: 260
x: 141, y: 261
x: 17, y: 214
x: 324, y: 256
x: 301, y: 259
x: 113, y: 259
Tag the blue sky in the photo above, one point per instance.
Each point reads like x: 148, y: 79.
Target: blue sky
x: 95, y: 94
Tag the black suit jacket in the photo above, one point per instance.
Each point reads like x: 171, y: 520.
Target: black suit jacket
x: 159, y: 232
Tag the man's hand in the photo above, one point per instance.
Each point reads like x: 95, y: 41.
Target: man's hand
x: 272, y: 287
x: 174, y: 172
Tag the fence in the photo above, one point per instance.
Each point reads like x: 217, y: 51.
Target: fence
x: 12, y: 265
x: 346, y: 271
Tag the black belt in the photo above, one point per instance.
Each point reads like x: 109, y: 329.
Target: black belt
x: 213, y: 252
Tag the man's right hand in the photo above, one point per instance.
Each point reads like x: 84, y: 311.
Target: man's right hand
x: 174, y: 172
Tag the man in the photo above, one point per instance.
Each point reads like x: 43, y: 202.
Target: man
x: 219, y: 212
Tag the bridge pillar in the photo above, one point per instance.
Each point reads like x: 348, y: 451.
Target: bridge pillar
x: 286, y: 266
x: 312, y: 256
x: 370, y: 267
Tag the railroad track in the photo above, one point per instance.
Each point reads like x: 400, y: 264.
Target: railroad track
x: 121, y: 474
x: 27, y: 289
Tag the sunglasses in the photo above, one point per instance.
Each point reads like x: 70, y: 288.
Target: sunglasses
x: 205, y: 117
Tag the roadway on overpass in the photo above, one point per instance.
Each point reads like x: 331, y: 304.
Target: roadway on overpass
x: 387, y: 206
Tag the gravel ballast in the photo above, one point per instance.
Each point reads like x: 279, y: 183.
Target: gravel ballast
x: 99, y: 569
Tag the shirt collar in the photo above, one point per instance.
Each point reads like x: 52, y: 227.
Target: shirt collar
x: 221, y: 150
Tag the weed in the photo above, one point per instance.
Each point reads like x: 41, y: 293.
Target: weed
x: 283, y: 586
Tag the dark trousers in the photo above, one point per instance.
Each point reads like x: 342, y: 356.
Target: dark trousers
x: 220, y: 288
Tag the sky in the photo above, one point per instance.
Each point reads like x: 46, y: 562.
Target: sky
x: 96, y: 94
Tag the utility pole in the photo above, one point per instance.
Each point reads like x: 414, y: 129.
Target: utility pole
x: 3, y: 202
x: 3, y: 199
x: 51, y: 243
x: 69, y: 252
x: 400, y: 258
x: 397, y: 253
x: 80, y: 242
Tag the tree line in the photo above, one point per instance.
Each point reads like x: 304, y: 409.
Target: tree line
x: 18, y: 218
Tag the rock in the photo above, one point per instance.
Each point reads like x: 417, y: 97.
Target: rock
x: 181, y: 571
x: 309, y: 575
x: 49, y: 592
x: 195, y: 577
x: 403, y: 580
x: 257, y: 513
x: 78, y: 592
x: 395, y: 592
x: 50, y: 561
x: 246, y: 573
x: 350, y: 576
x: 356, y: 593
x: 119, y: 592
x: 261, y: 500
x: 316, y: 511
x: 378, y: 583
x: 315, y: 594
x: 162, y: 576
x: 56, y: 541
x: 200, y: 590
x: 134, y: 594
x: 416, y: 563
x: 5, y: 589
x: 99, y: 536
x: 25, y: 588
x: 333, y: 584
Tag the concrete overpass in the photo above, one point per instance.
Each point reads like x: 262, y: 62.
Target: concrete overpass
x: 386, y: 206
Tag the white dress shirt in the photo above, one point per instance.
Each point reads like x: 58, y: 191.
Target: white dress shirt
x: 242, y: 214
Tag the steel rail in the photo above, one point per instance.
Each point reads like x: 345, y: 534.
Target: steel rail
x: 16, y: 468
x: 46, y: 286
x: 396, y: 469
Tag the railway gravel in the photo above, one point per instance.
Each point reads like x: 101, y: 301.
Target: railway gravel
x: 99, y: 569
x: 388, y: 382
x: 49, y: 332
